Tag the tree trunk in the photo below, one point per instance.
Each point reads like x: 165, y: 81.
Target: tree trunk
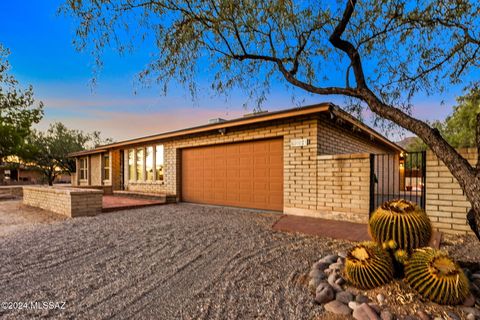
x: 466, y: 175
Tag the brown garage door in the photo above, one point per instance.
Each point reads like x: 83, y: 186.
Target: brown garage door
x: 246, y: 174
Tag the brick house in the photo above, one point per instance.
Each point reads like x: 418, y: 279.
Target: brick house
x: 310, y: 160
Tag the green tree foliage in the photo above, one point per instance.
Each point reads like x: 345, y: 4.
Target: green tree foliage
x: 48, y: 151
x: 17, y: 110
x: 387, y: 51
x: 459, y: 127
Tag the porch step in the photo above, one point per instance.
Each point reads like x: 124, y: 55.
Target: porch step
x: 141, y: 195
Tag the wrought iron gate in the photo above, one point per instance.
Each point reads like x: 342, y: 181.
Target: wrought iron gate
x: 397, y: 176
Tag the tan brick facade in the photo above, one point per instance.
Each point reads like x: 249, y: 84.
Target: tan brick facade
x: 305, y: 171
x: 446, y: 204
x: 71, y: 202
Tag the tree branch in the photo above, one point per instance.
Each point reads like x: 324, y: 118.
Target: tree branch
x: 347, y: 47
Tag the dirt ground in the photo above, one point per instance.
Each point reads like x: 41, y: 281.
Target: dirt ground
x: 14, y: 217
x: 168, y: 262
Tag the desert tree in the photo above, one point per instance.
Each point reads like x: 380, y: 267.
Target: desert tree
x: 377, y: 53
x: 18, y: 110
x: 48, y: 152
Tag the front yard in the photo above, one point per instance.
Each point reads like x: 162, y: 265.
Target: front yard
x: 169, y: 262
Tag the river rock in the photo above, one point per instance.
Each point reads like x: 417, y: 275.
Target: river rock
x: 324, y: 293
x: 453, y: 315
x: 470, y: 301
x: 344, y: 297
x: 353, y: 305
x: 422, y: 315
x: 337, y: 307
x: 386, y: 315
x: 365, y: 312
x: 315, y: 273
x: 331, y: 281
x: 362, y: 299
x: 331, y: 258
x: 313, y: 284
x: 474, y: 311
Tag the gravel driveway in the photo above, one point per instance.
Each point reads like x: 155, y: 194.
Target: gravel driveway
x: 168, y: 262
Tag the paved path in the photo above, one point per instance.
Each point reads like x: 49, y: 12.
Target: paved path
x: 167, y: 262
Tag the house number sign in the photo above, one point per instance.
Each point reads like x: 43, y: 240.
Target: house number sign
x: 299, y: 142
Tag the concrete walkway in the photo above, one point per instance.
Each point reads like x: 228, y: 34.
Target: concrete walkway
x: 116, y: 203
x: 322, y: 227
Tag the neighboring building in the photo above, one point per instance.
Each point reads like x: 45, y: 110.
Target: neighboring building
x: 272, y: 160
x: 18, y: 174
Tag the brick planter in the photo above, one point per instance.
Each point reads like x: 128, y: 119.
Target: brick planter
x: 72, y: 202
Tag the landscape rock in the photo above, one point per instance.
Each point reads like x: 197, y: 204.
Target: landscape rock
x: 362, y: 299
x: 344, y: 297
x: 337, y: 307
x: 468, y: 273
x: 324, y: 293
x: 474, y: 311
x: 365, y: 312
x: 313, y: 284
x: 320, y: 265
x: 340, y: 281
x: 470, y: 301
x: 453, y: 315
x: 353, y: 305
x: 386, y: 315
x: 380, y: 298
x: 375, y: 307
x: 470, y: 316
x: 331, y: 281
x: 316, y: 273
x: 331, y: 258
x: 409, y: 318
x: 422, y: 315
x: 343, y: 254
x: 336, y: 266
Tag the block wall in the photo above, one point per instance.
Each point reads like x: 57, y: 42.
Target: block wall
x: 71, y: 202
x: 446, y: 204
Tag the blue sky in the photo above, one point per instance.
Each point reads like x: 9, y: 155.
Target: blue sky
x: 42, y: 55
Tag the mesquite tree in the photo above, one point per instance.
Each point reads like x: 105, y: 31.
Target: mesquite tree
x: 379, y: 54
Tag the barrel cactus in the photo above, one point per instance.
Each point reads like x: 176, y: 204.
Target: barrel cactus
x: 402, y: 221
x: 368, y: 266
x: 434, y: 275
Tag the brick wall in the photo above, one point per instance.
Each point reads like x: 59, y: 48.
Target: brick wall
x: 147, y: 186
x: 334, y: 138
x: 344, y: 187
x: 446, y: 204
x: 302, y: 168
x: 72, y: 202
x: 14, y: 191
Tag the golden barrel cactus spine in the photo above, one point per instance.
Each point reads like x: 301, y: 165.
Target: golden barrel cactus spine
x: 402, y: 221
x: 434, y: 275
x: 367, y: 266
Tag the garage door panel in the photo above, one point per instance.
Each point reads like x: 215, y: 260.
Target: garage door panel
x: 246, y: 174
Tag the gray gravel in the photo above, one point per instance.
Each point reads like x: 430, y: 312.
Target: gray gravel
x: 168, y: 262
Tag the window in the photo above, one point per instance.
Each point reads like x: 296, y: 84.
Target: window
x: 131, y: 164
x: 140, y: 164
x: 149, y: 163
x: 159, y: 162
x: 83, y: 169
x: 106, y: 166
